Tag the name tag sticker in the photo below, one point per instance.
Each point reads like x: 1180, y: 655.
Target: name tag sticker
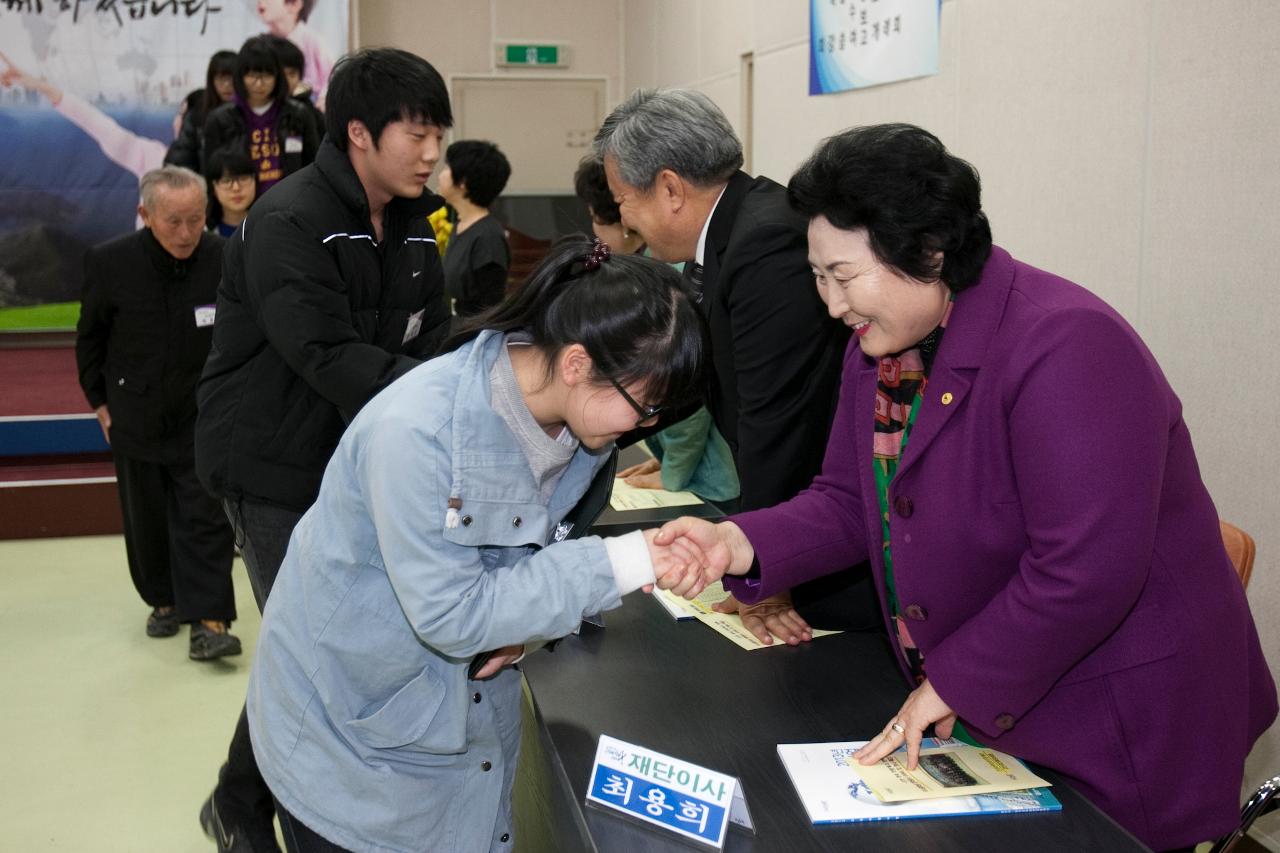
x: 204, y: 315
x: 293, y: 145
x: 414, y: 326
x: 690, y: 801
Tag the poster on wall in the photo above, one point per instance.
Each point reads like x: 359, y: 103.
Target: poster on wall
x: 854, y: 44
x: 89, y: 92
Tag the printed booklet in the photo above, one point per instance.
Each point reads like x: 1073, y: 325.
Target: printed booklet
x: 829, y: 781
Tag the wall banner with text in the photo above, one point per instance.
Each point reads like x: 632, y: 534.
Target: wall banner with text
x: 854, y: 44
x: 89, y: 91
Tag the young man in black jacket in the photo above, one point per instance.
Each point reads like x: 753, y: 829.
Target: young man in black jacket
x: 144, y: 332
x: 331, y: 289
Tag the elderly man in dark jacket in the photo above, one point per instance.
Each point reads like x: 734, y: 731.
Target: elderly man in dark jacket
x: 146, y: 321
x: 674, y: 165
x: 331, y: 289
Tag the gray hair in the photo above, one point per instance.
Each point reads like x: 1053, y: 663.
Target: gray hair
x: 677, y: 129
x: 173, y: 177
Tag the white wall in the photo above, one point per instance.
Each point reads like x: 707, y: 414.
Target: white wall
x: 1129, y: 145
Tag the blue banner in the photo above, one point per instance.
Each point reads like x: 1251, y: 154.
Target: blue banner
x: 858, y: 43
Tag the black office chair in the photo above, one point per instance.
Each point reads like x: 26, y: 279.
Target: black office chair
x: 1262, y: 802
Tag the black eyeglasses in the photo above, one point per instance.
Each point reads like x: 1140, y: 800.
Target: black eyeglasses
x: 646, y: 413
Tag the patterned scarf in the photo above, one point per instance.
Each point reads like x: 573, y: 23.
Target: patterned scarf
x: 900, y: 384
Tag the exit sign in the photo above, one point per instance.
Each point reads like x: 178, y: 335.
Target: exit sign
x: 533, y: 55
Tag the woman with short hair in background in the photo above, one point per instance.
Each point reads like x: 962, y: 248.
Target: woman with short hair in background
x: 479, y: 257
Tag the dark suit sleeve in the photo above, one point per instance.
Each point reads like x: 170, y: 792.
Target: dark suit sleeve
x: 92, y: 331
x: 782, y: 353
x: 301, y: 303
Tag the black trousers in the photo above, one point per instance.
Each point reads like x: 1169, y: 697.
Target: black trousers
x: 262, y: 531
x: 177, y: 539
x: 299, y: 838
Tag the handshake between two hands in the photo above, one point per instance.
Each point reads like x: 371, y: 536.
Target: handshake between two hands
x: 689, y: 554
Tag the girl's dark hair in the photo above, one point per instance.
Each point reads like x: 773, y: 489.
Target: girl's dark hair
x: 913, y: 196
x: 256, y: 54
x: 225, y: 162
x: 633, y: 315
x: 592, y: 188
x: 222, y: 62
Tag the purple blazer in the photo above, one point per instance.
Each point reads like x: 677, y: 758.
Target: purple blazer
x: 1056, y: 554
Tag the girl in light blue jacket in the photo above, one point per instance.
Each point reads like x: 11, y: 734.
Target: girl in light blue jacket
x: 431, y: 542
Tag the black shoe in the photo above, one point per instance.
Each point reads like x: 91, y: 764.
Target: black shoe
x: 162, y: 624
x: 207, y: 644
x: 233, y: 837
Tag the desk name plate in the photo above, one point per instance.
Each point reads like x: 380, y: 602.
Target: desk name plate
x: 691, y: 801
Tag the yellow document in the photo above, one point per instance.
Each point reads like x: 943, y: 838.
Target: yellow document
x: 948, y: 771
x: 726, y: 624
x: 627, y: 497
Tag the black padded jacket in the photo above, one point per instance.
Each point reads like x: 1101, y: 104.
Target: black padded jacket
x: 314, y: 317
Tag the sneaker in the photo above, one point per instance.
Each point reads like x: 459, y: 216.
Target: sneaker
x: 162, y: 624
x: 232, y: 837
x: 207, y: 644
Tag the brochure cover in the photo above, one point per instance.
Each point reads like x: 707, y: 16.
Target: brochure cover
x: 946, y: 771
x: 828, y: 779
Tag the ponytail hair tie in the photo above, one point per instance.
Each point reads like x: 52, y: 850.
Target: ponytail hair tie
x: 599, y: 254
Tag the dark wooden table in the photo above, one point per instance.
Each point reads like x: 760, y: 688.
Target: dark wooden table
x: 682, y: 689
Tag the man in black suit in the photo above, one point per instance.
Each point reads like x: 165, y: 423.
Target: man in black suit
x: 146, y: 322
x: 673, y: 163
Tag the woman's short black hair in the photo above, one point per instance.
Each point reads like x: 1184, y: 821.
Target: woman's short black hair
x: 222, y: 62
x: 377, y: 86
x: 912, y: 196
x: 480, y: 168
x: 633, y: 315
x: 257, y: 55
x: 591, y: 186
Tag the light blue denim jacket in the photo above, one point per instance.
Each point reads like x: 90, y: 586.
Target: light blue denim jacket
x: 363, y: 721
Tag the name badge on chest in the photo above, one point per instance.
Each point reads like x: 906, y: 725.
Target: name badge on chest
x: 204, y: 315
x: 414, y: 326
x: 293, y: 145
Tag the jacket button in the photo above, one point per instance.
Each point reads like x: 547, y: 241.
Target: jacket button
x: 486, y: 766
x: 466, y: 521
x: 916, y: 612
x: 947, y: 398
x: 1004, y: 722
x: 904, y: 507
x: 475, y: 697
x: 516, y: 522
x: 505, y: 837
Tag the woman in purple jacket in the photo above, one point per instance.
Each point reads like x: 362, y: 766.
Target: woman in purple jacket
x: 1010, y: 457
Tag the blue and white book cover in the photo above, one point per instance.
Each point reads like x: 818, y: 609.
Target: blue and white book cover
x: 825, y: 776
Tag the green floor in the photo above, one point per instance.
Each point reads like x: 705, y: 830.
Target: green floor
x: 110, y: 740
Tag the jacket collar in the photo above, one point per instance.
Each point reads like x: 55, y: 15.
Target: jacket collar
x: 479, y: 432
x: 973, y: 324
x: 166, y: 264
x: 335, y: 166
